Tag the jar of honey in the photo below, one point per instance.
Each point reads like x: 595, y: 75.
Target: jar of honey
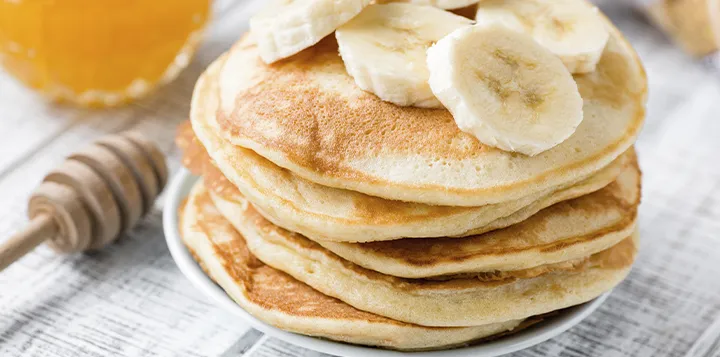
x: 98, y: 52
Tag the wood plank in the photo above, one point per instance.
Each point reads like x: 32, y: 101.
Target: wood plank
x: 273, y: 347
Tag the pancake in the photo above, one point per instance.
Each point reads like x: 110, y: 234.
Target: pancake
x: 306, y: 114
x: 286, y: 303
x: 332, y: 214
x: 566, y: 231
x: 471, y: 301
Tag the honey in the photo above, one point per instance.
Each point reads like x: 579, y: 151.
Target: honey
x: 98, y: 52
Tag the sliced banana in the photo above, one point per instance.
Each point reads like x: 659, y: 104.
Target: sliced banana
x: 505, y: 89
x: 285, y: 27
x: 571, y: 29
x: 384, y: 50
x: 442, y: 4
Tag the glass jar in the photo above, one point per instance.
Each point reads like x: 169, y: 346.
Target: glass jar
x: 98, y: 52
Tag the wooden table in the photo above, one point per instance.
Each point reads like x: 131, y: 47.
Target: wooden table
x: 131, y: 300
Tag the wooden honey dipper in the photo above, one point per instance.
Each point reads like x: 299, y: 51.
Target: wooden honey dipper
x: 92, y: 198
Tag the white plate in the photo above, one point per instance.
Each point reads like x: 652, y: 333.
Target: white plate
x: 179, y: 189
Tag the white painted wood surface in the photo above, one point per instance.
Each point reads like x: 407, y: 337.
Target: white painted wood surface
x: 130, y: 299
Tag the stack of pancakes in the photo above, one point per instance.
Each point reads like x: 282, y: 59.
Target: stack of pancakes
x: 325, y: 211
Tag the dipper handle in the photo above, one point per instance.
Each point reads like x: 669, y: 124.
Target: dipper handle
x: 25, y: 241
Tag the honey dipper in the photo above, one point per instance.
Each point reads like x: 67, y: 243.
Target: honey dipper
x: 92, y: 198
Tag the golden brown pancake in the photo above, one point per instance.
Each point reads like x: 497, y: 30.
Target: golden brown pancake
x: 284, y: 302
x: 478, y: 300
x: 568, y: 230
x: 307, y: 115
x: 331, y: 214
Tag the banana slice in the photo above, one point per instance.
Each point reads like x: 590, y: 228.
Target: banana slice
x: 285, y: 27
x: 571, y: 29
x: 505, y: 89
x: 442, y: 4
x: 384, y: 50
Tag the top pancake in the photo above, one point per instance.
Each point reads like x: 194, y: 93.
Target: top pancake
x: 306, y: 114
x: 333, y: 214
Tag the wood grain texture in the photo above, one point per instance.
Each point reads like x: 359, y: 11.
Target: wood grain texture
x: 131, y: 300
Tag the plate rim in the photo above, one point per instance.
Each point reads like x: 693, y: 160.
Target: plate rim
x: 180, y: 187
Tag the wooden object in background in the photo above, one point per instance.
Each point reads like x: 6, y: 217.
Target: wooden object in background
x: 92, y: 198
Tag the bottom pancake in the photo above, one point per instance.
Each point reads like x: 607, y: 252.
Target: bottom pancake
x: 456, y: 302
x: 284, y: 302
